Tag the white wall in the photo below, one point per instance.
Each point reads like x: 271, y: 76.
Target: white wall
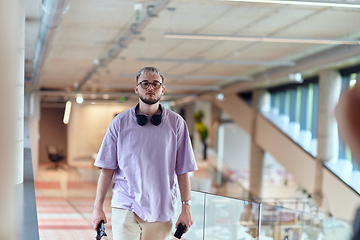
x: 235, y: 149
x: 87, y: 127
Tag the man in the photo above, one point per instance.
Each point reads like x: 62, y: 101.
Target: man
x: 144, y: 148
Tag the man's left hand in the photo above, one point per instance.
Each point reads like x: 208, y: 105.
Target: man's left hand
x: 185, y: 217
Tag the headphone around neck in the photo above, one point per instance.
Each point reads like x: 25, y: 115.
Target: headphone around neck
x: 142, y: 119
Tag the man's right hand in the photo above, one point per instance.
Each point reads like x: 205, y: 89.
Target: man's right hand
x: 98, y: 215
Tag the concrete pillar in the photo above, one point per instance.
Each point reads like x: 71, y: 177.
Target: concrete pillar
x: 32, y: 112
x: 213, y: 125
x: 327, y: 132
x: 259, y: 100
x: 329, y: 93
x: 12, y: 27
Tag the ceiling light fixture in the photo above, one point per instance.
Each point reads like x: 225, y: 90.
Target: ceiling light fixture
x: 79, y: 100
x: 308, y: 3
x: 67, y: 112
x: 261, y: 63
x: 219, y: 96
x: 259, y: 39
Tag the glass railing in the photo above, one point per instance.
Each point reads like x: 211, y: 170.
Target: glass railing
x: 222, y: 218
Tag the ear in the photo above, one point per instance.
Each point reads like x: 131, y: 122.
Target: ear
x: 136, y: 89
x: 163, y: 90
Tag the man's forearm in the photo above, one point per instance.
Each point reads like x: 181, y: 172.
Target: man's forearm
x: 184, y: 185
x: 185, y: 192
x: 103, y: 186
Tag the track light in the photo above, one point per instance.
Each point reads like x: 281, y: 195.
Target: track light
x: 260, y: 39
x: 206, y: 61
x: 67, y: 112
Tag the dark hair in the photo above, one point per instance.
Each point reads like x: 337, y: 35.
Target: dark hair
x: 151, y: 70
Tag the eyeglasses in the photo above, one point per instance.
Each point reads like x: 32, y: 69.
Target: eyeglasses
x: 146, y: 84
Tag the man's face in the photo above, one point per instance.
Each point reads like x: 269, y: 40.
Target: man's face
x: 149, y: 95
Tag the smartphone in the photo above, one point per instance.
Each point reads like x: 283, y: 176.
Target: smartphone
x: 180, y: 230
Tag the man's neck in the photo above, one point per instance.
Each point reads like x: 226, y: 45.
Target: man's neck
x: 148, y: 109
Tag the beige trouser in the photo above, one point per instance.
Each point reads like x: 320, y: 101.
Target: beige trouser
x: 127, y: 225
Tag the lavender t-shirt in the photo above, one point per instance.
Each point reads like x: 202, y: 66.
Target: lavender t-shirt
x: 147, y: 159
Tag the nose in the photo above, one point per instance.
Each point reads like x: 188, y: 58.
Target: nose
x: 151, y: 86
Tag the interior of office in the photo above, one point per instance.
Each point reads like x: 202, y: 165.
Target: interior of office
x: 266, y: 74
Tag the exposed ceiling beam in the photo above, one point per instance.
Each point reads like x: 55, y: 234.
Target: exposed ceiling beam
x: 125, y: 39
x: 94, y: 95
x: 307, y: 3
x: 260, y: 39
x: 197, y: 77
x: 229, y: 62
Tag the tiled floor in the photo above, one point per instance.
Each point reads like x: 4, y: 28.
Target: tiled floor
x: 65, y: 204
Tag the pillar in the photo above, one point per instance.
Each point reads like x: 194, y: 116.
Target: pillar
x: 327, y: 132
x: 260, y: 100
x: 12, y: 27
x: 32, y: 112
x: 213, y: 125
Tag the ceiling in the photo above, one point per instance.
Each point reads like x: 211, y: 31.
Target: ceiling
x: 100, y: 45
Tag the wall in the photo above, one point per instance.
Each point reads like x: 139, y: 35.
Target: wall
x: 52, y: 131
x: 236, y: 146
x: 87, y: 127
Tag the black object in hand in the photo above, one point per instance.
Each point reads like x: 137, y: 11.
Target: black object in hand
x: 180, y: 230
x: 100, y: 230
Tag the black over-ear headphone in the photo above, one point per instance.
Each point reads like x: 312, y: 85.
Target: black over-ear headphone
x: 142, y: 119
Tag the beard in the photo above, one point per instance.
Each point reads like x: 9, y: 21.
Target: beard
x: 150, y: 101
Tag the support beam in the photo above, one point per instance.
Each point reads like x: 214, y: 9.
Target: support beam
x: 238, y: 110
x: 256, y: 153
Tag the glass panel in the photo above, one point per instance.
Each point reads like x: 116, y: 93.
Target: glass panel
x: 229, y: 219
x: 277, y: 100
x: 272, y: 99
x: 223, y: 218
x: 315, y: 111
x: 280, y: 223
x: 304, y: 107
x: 298, y: 104
x: 197, y: 211
x: 310, y: 107
x: 287, y: 102
x: 282, y: 102
x: 293, y: 94
x: 335, y: 229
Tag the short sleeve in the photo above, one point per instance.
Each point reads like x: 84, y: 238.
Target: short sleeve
x: 185, y: 159
x: 107, y: 155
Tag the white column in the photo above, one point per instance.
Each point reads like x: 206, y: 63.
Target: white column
x: 260, y: 100
x: 329, y: 93
x: 12, y: 27
x: 327, y: 132
x: 34, y: 109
